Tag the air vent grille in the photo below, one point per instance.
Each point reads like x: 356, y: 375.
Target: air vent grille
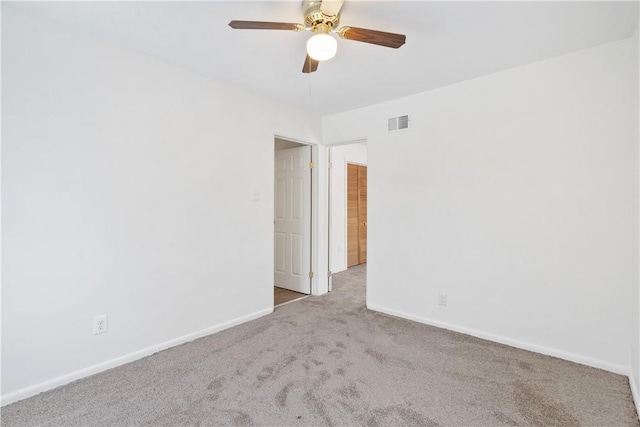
x: 395, y: 124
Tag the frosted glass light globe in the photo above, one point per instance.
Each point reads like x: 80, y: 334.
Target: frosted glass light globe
x: 322, y: 47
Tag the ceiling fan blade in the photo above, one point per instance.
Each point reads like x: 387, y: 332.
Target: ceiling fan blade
x: 372, y: 36
x: 331, y: 7
x: 260, y: 25
x: 310, y: 65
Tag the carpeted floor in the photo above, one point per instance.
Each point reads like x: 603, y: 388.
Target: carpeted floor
x: 330, y: 361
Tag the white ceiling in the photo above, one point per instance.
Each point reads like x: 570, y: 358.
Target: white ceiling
x: 447, y: 42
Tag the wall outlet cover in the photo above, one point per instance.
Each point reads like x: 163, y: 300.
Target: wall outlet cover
x: 442, y: 299
x: 100, y: 325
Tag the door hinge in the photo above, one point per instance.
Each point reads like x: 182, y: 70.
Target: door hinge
x: 311, y: 275
x: 310, y: 165
x: 330, y: 164
x: 329, y: 273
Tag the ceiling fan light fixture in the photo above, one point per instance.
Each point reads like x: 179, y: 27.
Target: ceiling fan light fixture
x: 322, y: 47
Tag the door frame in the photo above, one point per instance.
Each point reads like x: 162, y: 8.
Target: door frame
x: 328, y: 156
x: 321, y: 282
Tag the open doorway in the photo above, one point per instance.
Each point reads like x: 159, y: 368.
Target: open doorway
x: 292, y: 221
x: 348, y: 210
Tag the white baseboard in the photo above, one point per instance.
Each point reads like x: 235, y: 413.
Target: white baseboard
x: 339, y: 270
x: 635, y: 392
x: 26, y: 392
x: 572, y: 357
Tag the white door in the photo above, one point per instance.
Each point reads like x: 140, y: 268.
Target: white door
x: 293, y: 219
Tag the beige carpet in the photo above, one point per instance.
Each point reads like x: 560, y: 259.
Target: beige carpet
x: 330, y: 361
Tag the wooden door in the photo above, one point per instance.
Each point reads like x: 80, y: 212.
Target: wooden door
x: 353, y: 253
x: 292, y: 248
x: 362, y: 214
x: 356, y: 214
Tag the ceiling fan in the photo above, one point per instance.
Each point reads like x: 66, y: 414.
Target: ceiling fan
x: 322, y: 17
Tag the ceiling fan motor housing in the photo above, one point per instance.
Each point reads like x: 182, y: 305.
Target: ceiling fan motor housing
x: 314, y: 16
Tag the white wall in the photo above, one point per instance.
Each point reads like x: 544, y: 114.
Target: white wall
x: 514, y: 194
x: 340, y: 156
x: 635, y: 334
x: 127, y: 190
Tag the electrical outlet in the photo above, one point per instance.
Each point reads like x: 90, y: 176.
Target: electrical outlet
x: 339, y: 248
x: 442, y: 299
x: 255, y: 195
x: 100, y: 325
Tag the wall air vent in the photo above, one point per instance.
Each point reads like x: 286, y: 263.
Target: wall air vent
x: 395, y: 124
